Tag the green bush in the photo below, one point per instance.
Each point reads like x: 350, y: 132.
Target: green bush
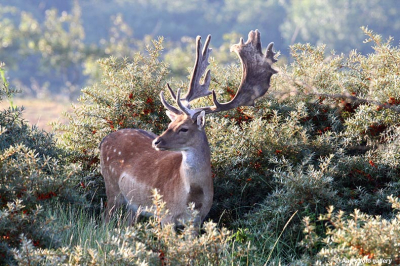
x: 351, y: 123
x: 326, y: 134
x: 361, y: 238
x: 32, y: 176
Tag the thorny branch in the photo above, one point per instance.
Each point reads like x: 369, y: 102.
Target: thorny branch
x: 345, y: 96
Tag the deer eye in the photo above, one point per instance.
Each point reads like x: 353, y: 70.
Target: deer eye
x: 183, y: 130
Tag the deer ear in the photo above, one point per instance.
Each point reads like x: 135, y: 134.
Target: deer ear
x: 171, y: 115
x: 201, y: 119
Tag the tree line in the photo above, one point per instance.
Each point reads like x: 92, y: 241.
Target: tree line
x: 51, y: 47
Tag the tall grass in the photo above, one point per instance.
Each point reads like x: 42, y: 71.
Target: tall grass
x: 84, y: 228
x: 84, y: 238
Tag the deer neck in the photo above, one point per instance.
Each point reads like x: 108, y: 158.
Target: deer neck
x: 196, y: 165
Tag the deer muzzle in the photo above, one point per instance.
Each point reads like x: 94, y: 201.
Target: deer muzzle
x: 157, y: 144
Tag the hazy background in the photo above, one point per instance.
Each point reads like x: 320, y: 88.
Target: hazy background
x: 50, y: 47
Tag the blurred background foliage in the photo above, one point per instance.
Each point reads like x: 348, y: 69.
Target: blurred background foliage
x: 50, y: 47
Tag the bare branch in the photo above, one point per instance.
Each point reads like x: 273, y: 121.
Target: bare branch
x: 354, y: 99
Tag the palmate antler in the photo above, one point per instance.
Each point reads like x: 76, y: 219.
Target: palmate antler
x: 256, y: 76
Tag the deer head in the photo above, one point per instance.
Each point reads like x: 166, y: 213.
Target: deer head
x: 182, y: 133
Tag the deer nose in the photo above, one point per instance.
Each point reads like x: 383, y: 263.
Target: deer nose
x: 156, y: 142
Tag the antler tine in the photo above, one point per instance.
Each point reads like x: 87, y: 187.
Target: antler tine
x: 197, y: 90
x: 179, y: 103
x: 269, y: 53
x: 171, y: 92
x: 167, y: 105
x: 182, y: 107
x: 256, y: 74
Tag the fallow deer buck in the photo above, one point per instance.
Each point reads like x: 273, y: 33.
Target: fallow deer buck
x: 177, y: 163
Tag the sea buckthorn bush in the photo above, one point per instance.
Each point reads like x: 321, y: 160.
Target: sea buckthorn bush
x: 358, y: 238
x: 326, y: 134
x: 32, y: 177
